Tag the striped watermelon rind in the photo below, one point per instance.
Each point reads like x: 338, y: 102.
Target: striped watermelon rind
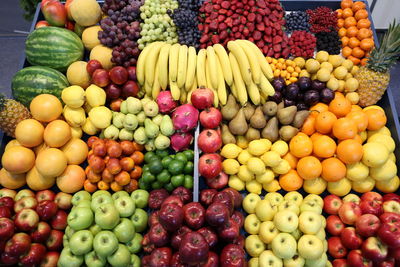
x: 32, y: 81
x: 53, y: 47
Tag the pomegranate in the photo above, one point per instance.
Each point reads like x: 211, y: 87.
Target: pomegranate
x: 210, y: 165
x: 202, y: 98
x: 209, y: 141
x: 210, y: 118
x: 218, y: 182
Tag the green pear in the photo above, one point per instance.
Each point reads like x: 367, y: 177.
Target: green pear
x: 166, y: 126
x: 134, y: 105
x: 130, y: 122
x: 125, y: 135
x: 123, y: 108
x: 111, y: 132
x: 158, y: 119
x: 140, y: 136
x: 151, y: 128
x: 141, y: 117
x: 118, y: 119
x: 162, y: 142
x: 150, y: 109
x: 150, y: 146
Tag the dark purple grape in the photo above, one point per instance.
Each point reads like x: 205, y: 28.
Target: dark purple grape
x: 311, y: 97
x: 291, y: 91
x: 289, y: 102
x: 300, y: 96
x: 278, y: 84
x: 317, y: 85
x: 304, y: 83
x: 277, y: 97
x: 301, y: 106
x: 326, y: 95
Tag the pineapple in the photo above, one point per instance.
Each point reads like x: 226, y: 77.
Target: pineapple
x: 11, y: 113
x: 375, y: 76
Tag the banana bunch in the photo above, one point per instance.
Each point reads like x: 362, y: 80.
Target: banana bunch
x: 244, y: 71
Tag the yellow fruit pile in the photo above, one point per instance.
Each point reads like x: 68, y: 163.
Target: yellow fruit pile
x: 290, y: 70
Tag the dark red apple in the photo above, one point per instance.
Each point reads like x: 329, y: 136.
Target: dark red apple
x: 46, y: 209
x: 389, y: 233
x: 6, y: 228
x: 209, y: 235
x: 173, y: 200
x: 50, y: 259
x: 171, y: 216
x: 35, y: 255
x: 229, y: 231
x: 7, y: 202
x: 118, y: 75
x: 372, y: 196
x: 386, y: 263
x: 131, y: 73
x: 55, y: 240
x: 391, y: 196
x: 185, y: 194
x: 336, y: 248
x: 41, y: 233
x: 9, y: 260
x: 350, y: 238
x: 334, y: 225
x: 218, y: 182
x: 100, y: 78
x: 210, y: 165
x: 45, y: 195
x: 236, y: 196
x: 206, y: 196
x: 158, y: 235
x: 209, y: 141
x: 178, y: 235
x: 146, y: 261
x: 210, y: 118
x: 147, y: 245
x: 193, y: 249
x: 371, y: 207
x: 130, y: 88
x: 225, y: 198
x: 157, y: 197
x: 153, y: 218
x: 93, y: 65
x: 161, y: 257
x: 238, y: 218
x: 194, y: 215
x: 233, y: 256
x: 176, y: 260
x: 332, y: 204
x: 5, y: 212
x: 113, y: 91
x: 240, y: 241
x: 367, y: 225
x: 355, y: 259
x: 390, y: 217
x: 202, y: 98
x: 59, y: 221
x: 373, y: 249
x: 340, y: 263
x: 18, y: 245
x: 394, y: 253
x: 212, y: 261
x: 115, y: 104
x: 217, y: 214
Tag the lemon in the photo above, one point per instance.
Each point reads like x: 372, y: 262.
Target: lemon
x: 341, y: 85
x: 363, y: 186
x: 266, y: 177
x: 383, y: 139
x: 241, y: 141
x: 272, y: 186
x: 340, y: 72
x: 281, y: 147
x: 315, y: 186
x: 327, y: 65
x: 335, y: 60
x: 256, y: 165
x: 236, y: 183
x: 322, y: 56
x: 392, y: 157
x: 384, y: 130
x: 323, y: 75
x: 230, y: 151
x: 340, y: 188
x: 351, y: 85
x: 384, y: 172
x: 254, y: 187
x: 388, y: 186
x: 271, y: 158
x: 300, y: 62
x: 353, y: 97
x: 375, y: 154
x: 282, y: 168
x: 230, y: 166
x: 333, y: 84
x: 363, y: 135
x: 372, y: 107
x: 348, y: 64
x: 312, y: 65
x: 357, y: 171
x: 244, y: 174
x: 244, y: 156
x: 259, y: 147
x: 354, y: 70
x: 348, y: 76
x: 304, y: 73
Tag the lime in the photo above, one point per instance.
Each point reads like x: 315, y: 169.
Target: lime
x: 188, y: 182
x: 177, y: 180
x: 169, y: 187
x: 164, y: 177
x: 143, y: 185
x: 176, y: 167
x: 189, y: 154
x: 155, y: 166
x: 145, y: 168
x: 182, y: 157
x: 166, y: 161
x: 148, y: 157
x: 162, y: 153
x: 147, y: 177
x: 188, y: 169
x: 156, y: 185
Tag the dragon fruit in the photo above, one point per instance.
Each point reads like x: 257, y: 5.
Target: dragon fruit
x: 166, y: 103
x: 185, y: 118
x: 181, y: 141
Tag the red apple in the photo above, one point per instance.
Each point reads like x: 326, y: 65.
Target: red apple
x: 9, y: 260
x: 371, y: 207
x: 147, y: 245
x: 336, y: 248
x: 161, y: 257
x: 24, y: 193
x: 158, y: 235
x: 212, y: 261
x: 386, y: 263
x: 100, y: 77
x: 5, y: 192
x: 229, y: 231
x: 172, y: 200
x: 171, y: 216
x: 355, y: 259
x: 232, y: 256
x: 349, y: 212
x: 118, y: 75
x: 18, y: 245
x: 218, y: 182
x: 332, y: 204
x: 130, y: 88
x: 210, y: 118
x: 176, y: 237
x: 54, y: 13
x: 93, y: 65
x: 55, y: 240
x: 113, y: 91
x: 35, y: 255
x: 7, y: 202
x: 41, y: 233
x: 209, y: 235
x: 389, y: 233
x: 394, y: 253
x: 50, y: 259
x: 157, y: 197
x: 334, y: 225
x: 45, y: 195
x: 390, y: 217
x: 373, y: 249
x: 238, y: 218
x: 131, y: 73
x: 25, y: 203
x: 183, y: 193
x: 59, y: 221
x: 153, y: 218
x: 115, y: 104
x: 206, y: 196
x: 340, y: 263
x: 46, y: 209
x: 217, y: 214
x: 6, y: 228
x: 391, y: 196
x: 350, y: 238
x: 391, y: 206
x: 193, y: 249
x: 63, y: 200
x: 26, y: 220
x: 367, y: 225
x: 236, y: 196
x: 240, y: 241
x: 5, y: 212
x: 372, y: 196
x: 210, y: 165
x: 194, y: 215
x: 225, y: 198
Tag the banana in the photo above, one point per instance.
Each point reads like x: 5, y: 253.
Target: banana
x: 266, y: 87
x: 224, y: 61
x: 221, y: 90
x: 182, y: 65
x: 189, y: 95
x: 265, y: 67
x: 253, y: 60
x: 163, y: 66
x: 254, y: 93
x: 175, y: 91
x: 140, y: 75
x: 156, y: 85
x: 148, y: 87
x: 208, y: 78
x: 242, y: 61
x: 201, y: 68
x: 263, y: 100
x: 238, y: 80
x: 212, y: 66
x: 191, y: 68
x: 234, y: 90
x: 151, y: 61
x: 182, y: 98
x: 173, y: 62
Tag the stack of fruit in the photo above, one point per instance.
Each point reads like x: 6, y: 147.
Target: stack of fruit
x: 290, y: 70
x: 42, y: 156
x: 165, y: 170
x: 113, y: 164
x: 104, y: 228
x: 31, y: 227
x: 364, y: 231
x: 291, y: 227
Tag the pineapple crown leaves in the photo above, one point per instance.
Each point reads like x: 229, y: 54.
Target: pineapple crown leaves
x: 386, y: 55
x: 3, y: 101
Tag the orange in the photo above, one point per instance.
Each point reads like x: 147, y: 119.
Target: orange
x: 338, y: 94
x: 367, y: 44
x: 364, y: 61
x: 333, y: 169
x: 319, y: 108
x: 342, y: 32
x: 349, y: 151
x: 290, y: 181
x: 346, y: 51
x: 354, y: 42
x: 347, y: 12
x: 308, y: 126
x: 364, y: 33
x: 339, y: 13
x: 362, y: 23
x: 324, y: 147
x: 346, y: 3
x: 376, y: 119
x: 351, y: 32
x: 356, y: 108
x: 361, y: 14
x: 340, y: 106
x: 344, y: 128
x: 356, y: 61
x: 315, y: 136
x: 292, y: 160
x: 358, y: 52
x: 345, y: 41
x: 324, y: 122
x: 359, y: 118
x: 350, y: 21
x: 358, y: 6
x: 300, y: 145
x: 309, y: 168
x: 340, y: 23
x: 356, y: 138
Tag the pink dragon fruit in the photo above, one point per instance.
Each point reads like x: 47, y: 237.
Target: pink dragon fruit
x: 166, y: 103
x: 181, y: 141
x: 185, y: 118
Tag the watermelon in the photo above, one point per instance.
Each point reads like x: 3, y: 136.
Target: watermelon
x: 53, y: 47
x: 32, y: 81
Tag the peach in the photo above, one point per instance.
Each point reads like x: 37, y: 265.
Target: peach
x: 72, y: 179
x: 12, y: 181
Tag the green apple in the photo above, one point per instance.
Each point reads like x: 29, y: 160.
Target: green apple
x: 253, y: 262
x: 252, y: 224
x: 289, y: 205
x: 121, y: 257
x: 79, y: 196
x: 124, y: 231
x: 106, y: 216
x: 268, y: 259
x: 69, y: 231
x: 80, y: 218
x: 250, y: 202
x: 101, y: 200
x: 320, y: 262
x: 274, y: 198
x: 139, y: 219
x: 94, y: 260
x: 309, y: 222
x: 294, y: 196
x: 81, y: 242
x: 254, y: 246
x: 119, y: 194
x: 141, y: 198
x: 84, y: 203
x: 95, y: 229
x: 286, y: 221
x: 135, y: 261
x: 296, y: 234
x: 352, y: 198
x: 268, y: 232
x: 315, y: 198
x: 310, y: 205
x: 265, y: 211
x: 125, y: 206
x: 67, y: 259
x: 325, y: 242
x: 101, y: 192
x: 105, y: 243
x: 284, y: 246
x: 295, y: 261
x: 321, y: 234
x: 310, y: 247
x: 135, y: 244
x: 65, y: 241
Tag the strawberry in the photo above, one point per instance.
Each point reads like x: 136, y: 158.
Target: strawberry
x: 222, y: 11
x: 257, y: 35
x: 213, y: 26
x: 222, y: 26
x: 246, y: 32
x: 277, y: 48
x: 208, y: 8
x: 225, y: 4
x: 223, y: 35
x: 221, y: 18
x: 261, y: 3
x: 277, y: 39
x: 259, y: 18
x: 251, y: 17
x: 228, y: 21
x: 260, y: 27
x: 215, y: 39
x: 204, y: 38
x: 243, y: 20
x: 238, y: 35
x: 230, y: 13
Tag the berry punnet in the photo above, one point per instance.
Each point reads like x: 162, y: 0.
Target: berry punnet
x: 322, y: 19
x: 302, y: 44
x: 297, y: 21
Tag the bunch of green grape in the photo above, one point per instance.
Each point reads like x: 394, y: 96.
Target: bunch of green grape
x: 157, y: 24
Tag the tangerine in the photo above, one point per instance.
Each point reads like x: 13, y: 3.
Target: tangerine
x: 349, y: 151
x: 324, y: 147
x: 342, y: 32
x: 315, y: 136
x: 309, y: 168
x: 352, y: 32
x: 356, y: 108
x: 367, y: 44
x: 319, y: 107
x: 333, y: 169
x: 340, y: 106
x: 347, y: 12
x: 350, y: 21
x: 346, y: 51
x: 361, y: 14
x: 309, y: 125
x: 292, y: 160
x: 364, y: 33
x: 290, y: 181
x: 300, y: 145
x: 358, y: 52
x: 353, y: 43
x: 346, y: 3
x: 362, y: 23
x: 364, y: 61
x: 345, y: 41
x: 376, y: 119
x: 356, y: 61
x: 358, y: 6
x: 344, y: 128
x: 340, y: 23
x: 359, y: 118
x: 324, y: 122
x: 339, y: 13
